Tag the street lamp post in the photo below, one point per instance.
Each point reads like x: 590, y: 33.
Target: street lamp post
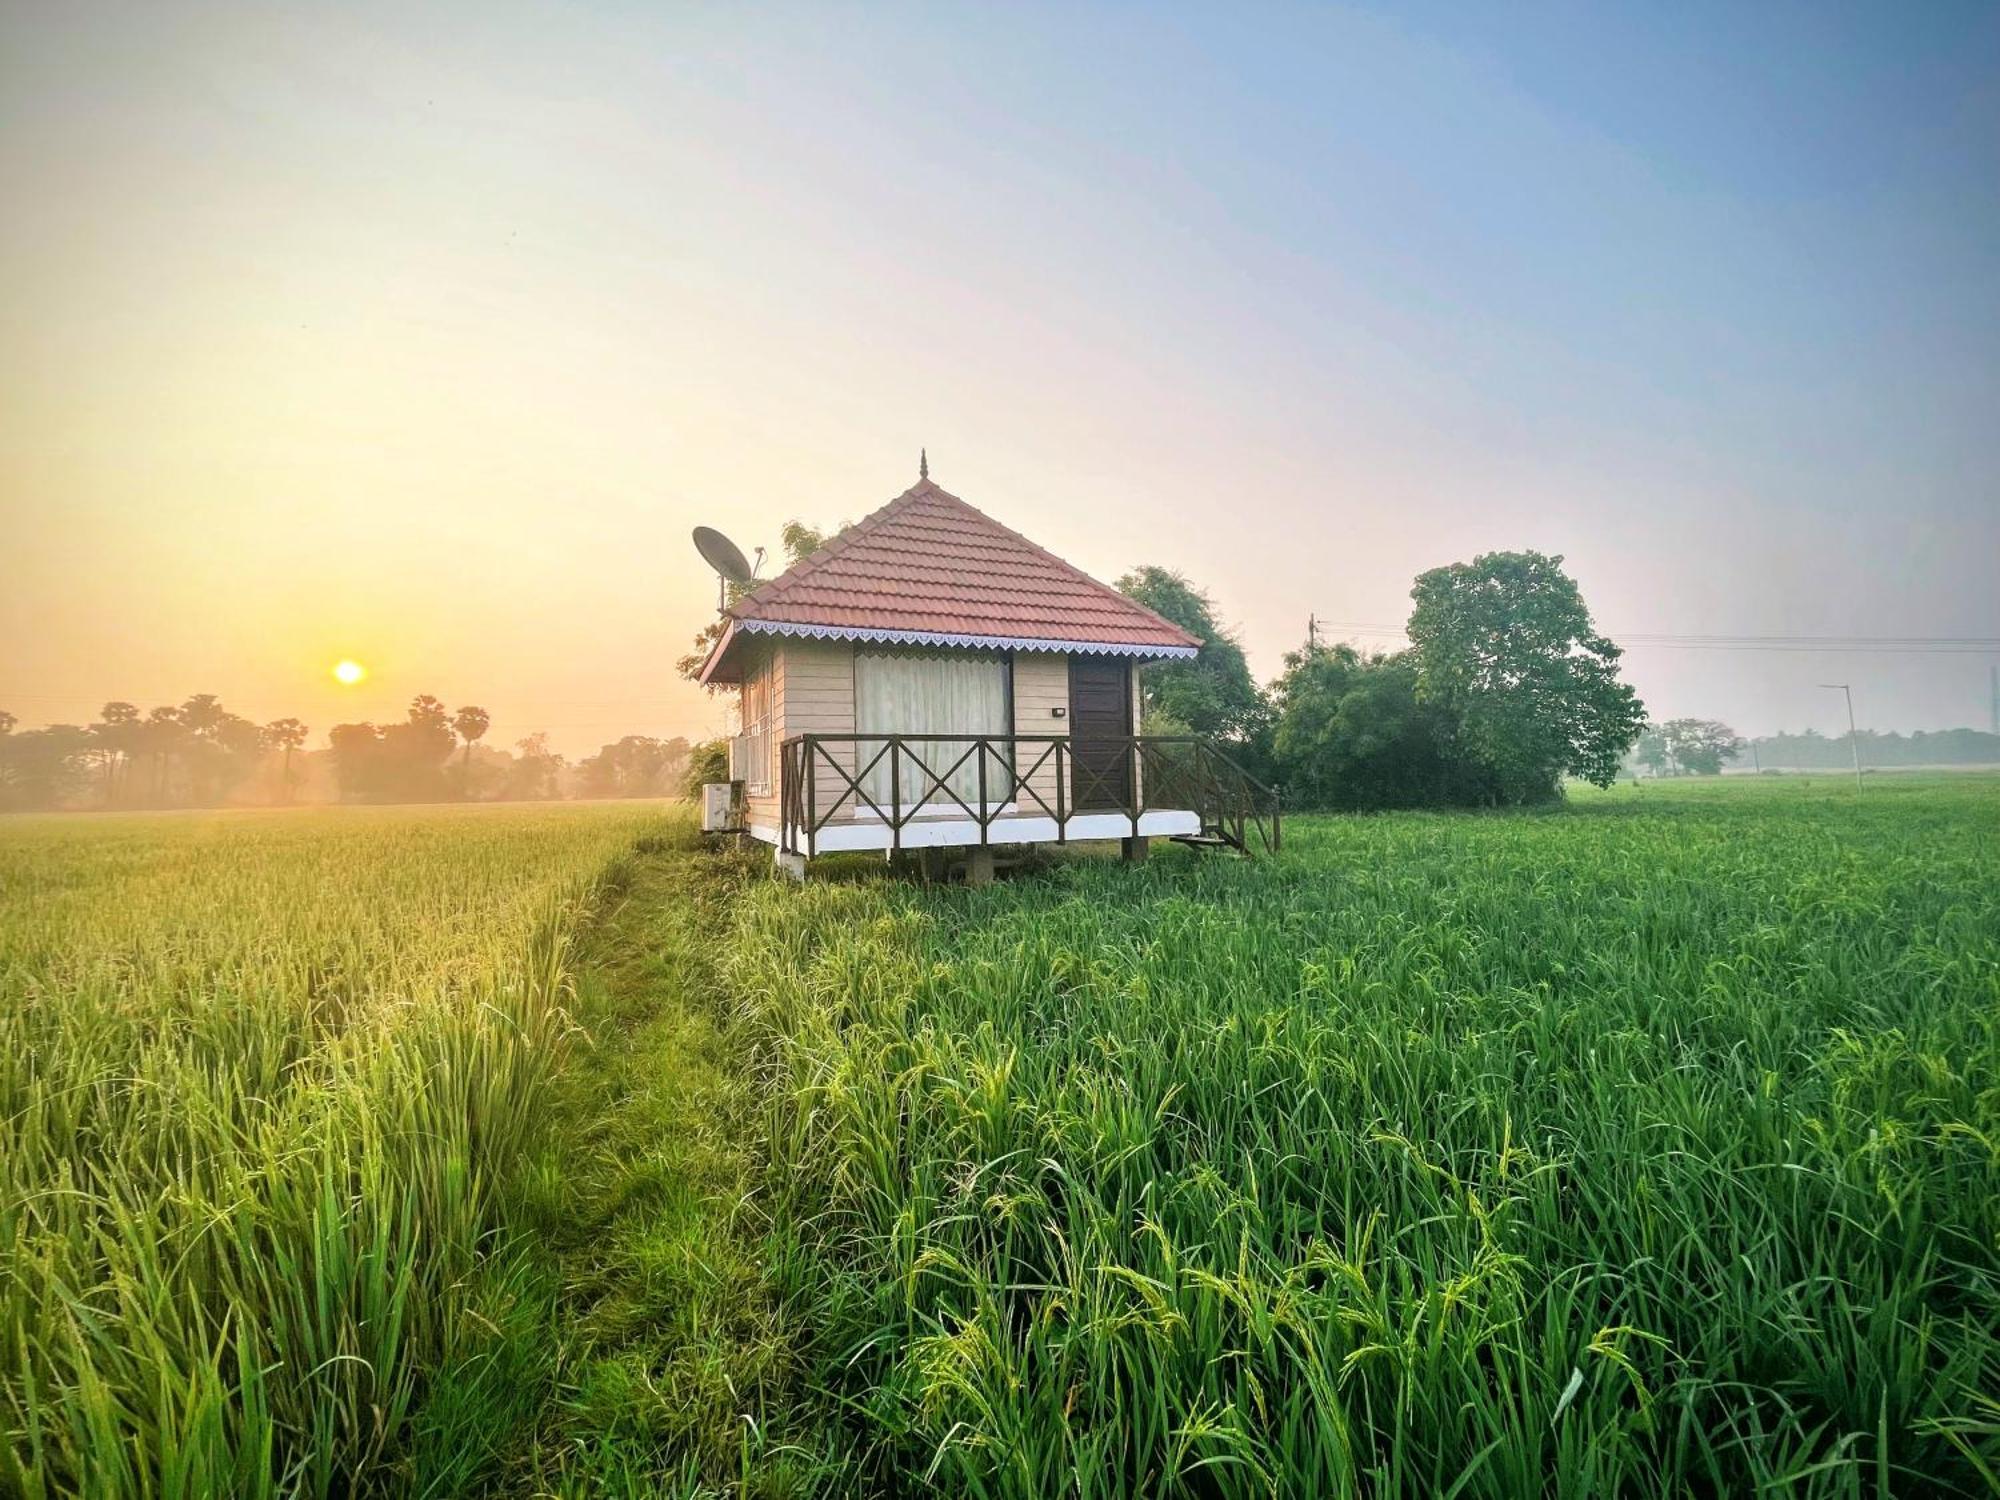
x: 1853, y: 738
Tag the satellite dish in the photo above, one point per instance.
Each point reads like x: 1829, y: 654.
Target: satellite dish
x: 728, y: 561
x: 722, y: 554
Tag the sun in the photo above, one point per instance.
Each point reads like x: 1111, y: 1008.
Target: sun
x: 348, y: 672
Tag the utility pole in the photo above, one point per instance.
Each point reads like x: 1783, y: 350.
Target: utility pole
x: 1853, y: 738
x: 1312, y: 637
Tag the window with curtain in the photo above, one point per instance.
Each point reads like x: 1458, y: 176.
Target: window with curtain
x: 932, y: 692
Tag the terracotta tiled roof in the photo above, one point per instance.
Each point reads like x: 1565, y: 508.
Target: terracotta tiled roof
x: 928, y: 564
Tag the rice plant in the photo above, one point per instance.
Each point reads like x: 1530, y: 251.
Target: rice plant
x: 264, y: 1081
x: 1647, y: 1147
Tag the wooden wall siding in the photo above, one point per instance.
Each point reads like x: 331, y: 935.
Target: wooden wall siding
x: 819, y: 699
x: 1041, y: 683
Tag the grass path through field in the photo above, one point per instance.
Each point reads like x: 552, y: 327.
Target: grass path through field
x: 666, y: 1365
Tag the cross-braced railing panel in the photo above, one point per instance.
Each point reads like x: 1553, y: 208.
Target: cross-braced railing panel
x: 982, y: 779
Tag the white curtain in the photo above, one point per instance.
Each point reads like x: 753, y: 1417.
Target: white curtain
x: 931, y: 692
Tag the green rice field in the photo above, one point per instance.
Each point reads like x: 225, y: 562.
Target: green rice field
x: 1647, y: 1146
x: 263, y: 1079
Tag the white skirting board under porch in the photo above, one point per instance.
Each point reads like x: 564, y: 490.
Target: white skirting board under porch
x: 937, y: 833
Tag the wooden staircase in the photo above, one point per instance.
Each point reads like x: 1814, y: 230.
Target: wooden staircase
x: 1237, y: 810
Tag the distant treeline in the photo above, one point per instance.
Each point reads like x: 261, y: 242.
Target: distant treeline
x: 199, y: 754
x: 1812, y: 751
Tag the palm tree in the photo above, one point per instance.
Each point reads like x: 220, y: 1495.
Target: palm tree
x: 286, y: 735
x: 470, y: 722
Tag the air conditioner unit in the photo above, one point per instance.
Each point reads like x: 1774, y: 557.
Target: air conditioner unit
x: 719, y: 808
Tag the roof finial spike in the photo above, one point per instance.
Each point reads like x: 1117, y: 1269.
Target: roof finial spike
x: 923, y: 463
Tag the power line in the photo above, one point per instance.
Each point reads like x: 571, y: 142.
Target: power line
x: 1903, y: 643
x: 1631, y: 644
x: 1912, y: 645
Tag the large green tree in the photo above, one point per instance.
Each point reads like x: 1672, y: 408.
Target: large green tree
x: 395, y: 762
x: 42, y: 767
x: 535, y: 770
x: 1214, y: 694
x: 1505, y: 646
x: 1353, y: 735
x: 1650, y: 750
x: 1700, y: 746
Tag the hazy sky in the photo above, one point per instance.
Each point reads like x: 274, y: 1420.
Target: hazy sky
x: 423, y: 334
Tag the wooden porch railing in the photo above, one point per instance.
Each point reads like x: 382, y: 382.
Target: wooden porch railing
x: 1015, y: 775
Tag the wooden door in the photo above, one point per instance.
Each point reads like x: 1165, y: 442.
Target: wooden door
x: 1100, y: 728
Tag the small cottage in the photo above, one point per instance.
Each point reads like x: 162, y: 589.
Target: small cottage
x: 930, y: 679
